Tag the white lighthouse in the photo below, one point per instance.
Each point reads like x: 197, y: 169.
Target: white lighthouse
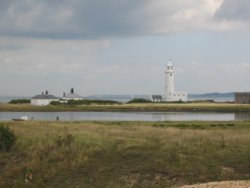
x: 170, y: 93
x: 169, y: 78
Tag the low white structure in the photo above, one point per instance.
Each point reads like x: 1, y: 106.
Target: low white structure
x: 71, y: 96
x: 156, y: 98
x: 170, y: 94
x: 43, y: 99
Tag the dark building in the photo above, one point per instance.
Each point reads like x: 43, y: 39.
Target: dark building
x: 242, y: 98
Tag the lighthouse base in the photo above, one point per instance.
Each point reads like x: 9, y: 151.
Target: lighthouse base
x: 176, y: 96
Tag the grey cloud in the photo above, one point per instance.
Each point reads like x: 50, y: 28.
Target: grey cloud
x: 95, y: 19
x: 30, y: 18
x: 113, y: 17
x: 75, y: 18
x: 234, y: 10
x: 10, y: 47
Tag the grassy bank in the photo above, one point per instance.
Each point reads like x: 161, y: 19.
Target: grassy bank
x: 125, y: 154
x: 206, y: 107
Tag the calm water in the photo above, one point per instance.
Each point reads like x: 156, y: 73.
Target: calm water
x: 128, y: 116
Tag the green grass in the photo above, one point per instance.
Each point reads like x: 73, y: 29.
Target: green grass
x: 125, y: 154
x: 195, y: 107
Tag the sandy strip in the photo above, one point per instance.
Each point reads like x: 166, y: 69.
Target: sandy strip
x: 223, y: 184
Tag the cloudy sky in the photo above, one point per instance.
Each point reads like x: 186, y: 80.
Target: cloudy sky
x: 123, y: 46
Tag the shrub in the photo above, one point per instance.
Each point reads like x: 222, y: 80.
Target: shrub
x: 159, y: 125
x: 139, y: 100
x: 19, y: 101
x: 55, y: 103
x: 104, y: 102
x: 77, y: 102
x: 85, y: 102
x: 7, y: 138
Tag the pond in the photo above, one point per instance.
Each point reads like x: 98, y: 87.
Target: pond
x: 128, y: 116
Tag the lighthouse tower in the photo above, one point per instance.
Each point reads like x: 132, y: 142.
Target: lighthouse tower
x: 170, y: 93
x: 169, y: 78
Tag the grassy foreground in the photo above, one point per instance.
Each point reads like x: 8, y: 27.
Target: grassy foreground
x: 125, y: 154
x: 206, y: 107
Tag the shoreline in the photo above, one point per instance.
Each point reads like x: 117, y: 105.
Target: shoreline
x: 155, y: 107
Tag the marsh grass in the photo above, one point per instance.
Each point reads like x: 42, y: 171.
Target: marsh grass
x: 125, y: 154
x: 195, y: 107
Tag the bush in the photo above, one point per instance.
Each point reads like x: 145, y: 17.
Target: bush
x: 7, y: 138
x: 103, y: 102
x: 70, y: 102
x: 19, y: 101
x: 78, y: 102
x: 139, y: 100
x: 85, y: 102
x: 55, y: 103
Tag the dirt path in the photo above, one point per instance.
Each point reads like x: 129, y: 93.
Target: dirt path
x: 223, y: 184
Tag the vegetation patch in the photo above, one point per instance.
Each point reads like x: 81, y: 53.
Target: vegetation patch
x: 125, y: 154
x: 140, y: 105
x: 19, y: 101
x: 139, y: 100
x: 84, y: 102
x: 7, y: 138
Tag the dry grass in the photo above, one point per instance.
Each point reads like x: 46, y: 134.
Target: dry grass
x: 126, y: 154
x: 211, y: 107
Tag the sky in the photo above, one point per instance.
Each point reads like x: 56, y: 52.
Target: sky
x: 123, y: 46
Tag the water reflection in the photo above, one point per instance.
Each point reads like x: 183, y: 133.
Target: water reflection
x: 242, y: 116
x: 192, y: 116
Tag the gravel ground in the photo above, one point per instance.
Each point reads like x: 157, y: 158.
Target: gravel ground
x: 223, y: 184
